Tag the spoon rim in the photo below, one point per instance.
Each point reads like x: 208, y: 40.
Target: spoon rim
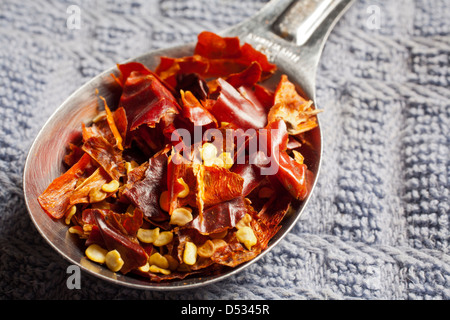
x: 127, y: 280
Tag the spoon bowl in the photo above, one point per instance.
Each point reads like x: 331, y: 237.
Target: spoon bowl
x: 292, y: 35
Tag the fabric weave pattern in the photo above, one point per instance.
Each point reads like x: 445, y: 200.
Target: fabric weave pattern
x: 377, y: 225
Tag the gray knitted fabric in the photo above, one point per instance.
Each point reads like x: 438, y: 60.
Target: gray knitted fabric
x: 377, y: 226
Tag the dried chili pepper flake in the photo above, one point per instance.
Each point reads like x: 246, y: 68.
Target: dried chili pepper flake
x: 74, y: 155
x: 216, y: 185
x: 202, y: 210
x: 112, y: 125
x: 251, y: 177
x: 178, y: 168
x: 291, y: 174
x: 145, y: 194
x: 250, y: 54
x: 258, y: 95
x: 220, y: 217
x: 193, y: 110
x: 121, y: 122
x: 213, y: 46
x: 226, y: 55
x: 128, y: 223
x: 56, y: 198
x: 146, y: 101
x: 232, y: 107
x: 82, y: 191
x: 127, y: 68
x: 131, y: 252
x: 170, y: 69
x: 106, y: 155
x: 220, y: 68
x: 290, y: 106
x: 194, y: 83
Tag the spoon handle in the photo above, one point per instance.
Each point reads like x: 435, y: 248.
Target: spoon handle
x: 296, y: 21
x: 302, y: 18
x: 293, y: 33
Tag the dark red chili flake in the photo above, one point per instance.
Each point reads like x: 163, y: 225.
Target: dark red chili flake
x: 152, y: 145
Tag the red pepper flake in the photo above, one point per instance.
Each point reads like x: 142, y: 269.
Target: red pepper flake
x: 144, y: 145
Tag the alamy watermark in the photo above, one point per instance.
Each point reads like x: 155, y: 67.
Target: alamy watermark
x: 250, y: 146
x: 373, y: 21
x: 74, y: 279
x: 73, y: 21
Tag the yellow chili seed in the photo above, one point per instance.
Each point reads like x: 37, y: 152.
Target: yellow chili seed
x: 129, y: 166
x: 100, y: 116
x: 145, y: 267
x: 181, y: 216
x: 110, y: 187
x: 209, y: 163
x: 208, y: 152
x: 101, y: 205
x: 219, y: 162
x: 246, y: 236
x: 158, y: 260
x: 147, y: 235
x: 185, y: 192
x: 219, y: 243
x: 219, y: 235
x: 87, y: 227
x: 70, y: 213
x: 114, y: 261
x: 190, y: 253
x: 164, y: 238
x: 298, y: 157
x: 156, y: 269
x: 96, y: 195
x: 206, y: 250
x: 96, y: 253
x: 76, y: 230
x: 227, y: 160
x: 244, y: 222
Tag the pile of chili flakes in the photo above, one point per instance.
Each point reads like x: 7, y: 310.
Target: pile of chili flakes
x: 133, y: 147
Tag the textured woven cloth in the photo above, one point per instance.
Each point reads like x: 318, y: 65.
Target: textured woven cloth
x: 377, y: 226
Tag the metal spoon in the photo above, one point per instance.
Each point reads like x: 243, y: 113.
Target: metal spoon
x: 291, y: 33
